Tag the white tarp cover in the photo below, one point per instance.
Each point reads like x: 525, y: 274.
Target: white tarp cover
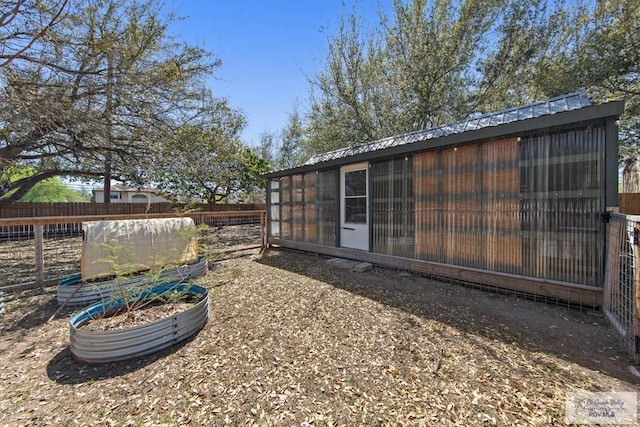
x: 119, y: 247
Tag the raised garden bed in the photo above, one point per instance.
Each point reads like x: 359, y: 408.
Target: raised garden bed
x: 100, y: 346
x: 72, y: 290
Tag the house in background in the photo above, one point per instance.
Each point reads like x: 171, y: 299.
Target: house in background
x: 516, y: 199
x: 123, y: 194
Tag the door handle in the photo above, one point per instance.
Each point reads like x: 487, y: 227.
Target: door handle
x: 348, y: 228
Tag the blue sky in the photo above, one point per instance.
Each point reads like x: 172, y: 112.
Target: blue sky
x: 267, y: 48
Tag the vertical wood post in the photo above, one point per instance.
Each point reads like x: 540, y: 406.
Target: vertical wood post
x: 263, y: 229
x: 38, y: 231
x: 611, y: 163
x: 636, y: 291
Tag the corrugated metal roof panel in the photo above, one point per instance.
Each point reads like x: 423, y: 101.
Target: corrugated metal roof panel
x: 560, y: 104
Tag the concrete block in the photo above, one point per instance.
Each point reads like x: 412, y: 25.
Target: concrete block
x: 361, y: 267
x: 349, y: 264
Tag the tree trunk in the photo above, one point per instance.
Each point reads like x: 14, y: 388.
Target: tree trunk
x: 631, y: 177
x: 107, y: 183
x: 108, y: 113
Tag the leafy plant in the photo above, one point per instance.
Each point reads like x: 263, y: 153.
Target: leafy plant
x: 133, y: 283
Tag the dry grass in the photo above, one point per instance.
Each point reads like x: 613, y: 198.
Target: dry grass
x: 292, y: 341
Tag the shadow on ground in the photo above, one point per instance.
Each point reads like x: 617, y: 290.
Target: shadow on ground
x: 581, y: 337
x: 64, y: 369
x: 26, y: 313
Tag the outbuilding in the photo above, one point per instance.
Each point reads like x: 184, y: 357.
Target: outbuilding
x: 516, y: 199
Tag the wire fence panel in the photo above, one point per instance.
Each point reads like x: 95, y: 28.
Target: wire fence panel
x: 621, y: 277
x: 62, y: 256
x: 17, y: 257
x: 41, y: 251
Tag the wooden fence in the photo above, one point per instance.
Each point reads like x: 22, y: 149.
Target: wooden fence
x: 33, y: 235
x: 21, y: 210
x: 629, y: 203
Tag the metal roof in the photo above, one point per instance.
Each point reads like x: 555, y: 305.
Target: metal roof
x: 561, y: 111
x: 559, y: 104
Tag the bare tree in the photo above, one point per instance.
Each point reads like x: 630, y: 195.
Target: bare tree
x: 107, y: 86
x: 23, y: 23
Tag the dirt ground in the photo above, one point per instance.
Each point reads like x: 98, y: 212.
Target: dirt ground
x: 292, y: 340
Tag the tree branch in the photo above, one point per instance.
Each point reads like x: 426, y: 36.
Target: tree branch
x: 38, y: 35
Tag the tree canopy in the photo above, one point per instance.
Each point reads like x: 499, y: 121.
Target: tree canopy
x: 440, y: 61
x: 206, y: 160
x: 47, y: 191
x: 107, y: 88
x: 601, y: 54
x: 25, y: 22
x: 97, y: 89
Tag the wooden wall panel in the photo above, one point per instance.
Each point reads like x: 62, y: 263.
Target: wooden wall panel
x: 298, y: 223
x: 467, y: 200
x: 429, y: 245
x: 454, y: 183
x: 427, y: 214
x: 426, y: 185
x: 503, y: 251
x: 425, y: 162
x: 461, y: 214
x: 501, y: 214
x: 285, y: 193
x: 462, y: 248
x: 310, y: 208
x: 496, y: 181
x: 629, y: 203
x: 500, y: 151
x: 459, y: 157
x: 310, y: 222
x: 501, y: 219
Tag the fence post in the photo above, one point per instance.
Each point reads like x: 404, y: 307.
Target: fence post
x: 263, y: 229
x: 38, y: 231
x: 636, y: 293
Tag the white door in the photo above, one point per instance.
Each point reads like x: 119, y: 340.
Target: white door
x: 354, y: 206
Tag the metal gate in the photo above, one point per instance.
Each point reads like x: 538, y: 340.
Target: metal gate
x: 621, y: 278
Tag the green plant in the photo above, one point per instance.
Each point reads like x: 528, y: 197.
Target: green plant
x: 131, y: 282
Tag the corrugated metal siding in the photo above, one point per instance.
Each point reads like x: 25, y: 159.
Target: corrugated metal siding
x: 327, y: 207
x: 529, y: 206
x: 303, y: 207
x: 393, y: 207
x: 286, y: 224
x: 562, y: 199
x: 274, y: 207
x: 297, y: 208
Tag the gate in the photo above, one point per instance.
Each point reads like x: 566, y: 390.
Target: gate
x: 621, y: 279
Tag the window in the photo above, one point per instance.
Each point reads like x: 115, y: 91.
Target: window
x: 355, y: 196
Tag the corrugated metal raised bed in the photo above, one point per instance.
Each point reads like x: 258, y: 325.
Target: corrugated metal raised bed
x: 73, y: 290
x: 101, y: 346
